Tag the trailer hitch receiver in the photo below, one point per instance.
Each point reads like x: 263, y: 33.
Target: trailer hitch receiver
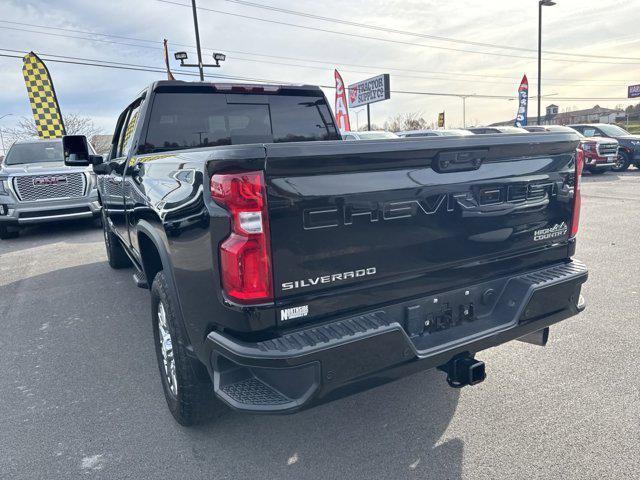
x: 464, y: 370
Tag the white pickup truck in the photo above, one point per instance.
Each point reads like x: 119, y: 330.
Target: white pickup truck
x: 36, y: 187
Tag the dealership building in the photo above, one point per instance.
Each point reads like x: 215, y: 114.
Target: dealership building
x: 597, y: 114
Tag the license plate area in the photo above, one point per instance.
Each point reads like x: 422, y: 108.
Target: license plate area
x: 439, y: 320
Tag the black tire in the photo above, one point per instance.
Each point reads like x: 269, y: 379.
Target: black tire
x: 116, y: 255
x: 7, y: 233
x: 622, y: 162
x: 187, y: 387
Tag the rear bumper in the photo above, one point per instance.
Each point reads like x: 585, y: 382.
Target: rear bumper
x: 317, y: 364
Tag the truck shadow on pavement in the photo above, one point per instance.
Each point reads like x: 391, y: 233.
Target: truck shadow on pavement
x: 72, y: 231
x: 82, y: 345
x: 390, y: 432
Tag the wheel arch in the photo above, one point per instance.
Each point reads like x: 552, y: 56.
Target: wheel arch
x: 154, y: 256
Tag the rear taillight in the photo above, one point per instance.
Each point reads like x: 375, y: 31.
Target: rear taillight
x: 245, y: 256
x: 577, y: 200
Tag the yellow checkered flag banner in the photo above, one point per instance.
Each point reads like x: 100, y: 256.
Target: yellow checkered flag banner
x: 130, y: 128
x: 42, y: 96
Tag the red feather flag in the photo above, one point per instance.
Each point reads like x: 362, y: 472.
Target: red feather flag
x: 341, y: 110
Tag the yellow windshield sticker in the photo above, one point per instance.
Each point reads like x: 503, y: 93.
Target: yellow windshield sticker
x: 147, y: 158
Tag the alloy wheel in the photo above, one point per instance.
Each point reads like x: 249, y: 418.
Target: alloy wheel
x: 166, y: 347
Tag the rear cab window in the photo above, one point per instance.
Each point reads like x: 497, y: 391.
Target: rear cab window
x: 195, y: 119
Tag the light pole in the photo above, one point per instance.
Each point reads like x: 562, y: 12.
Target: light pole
x: 541, y: 3
x: 182, y: 56
x: 464, y: 112
x: 195, y: 23
x: 358, y: 119
x: 4, y: 152
x: 464, y: 108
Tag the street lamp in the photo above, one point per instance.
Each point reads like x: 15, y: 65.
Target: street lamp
x: 541, y: 3
x: 217, y: 57
x: 182, y: 56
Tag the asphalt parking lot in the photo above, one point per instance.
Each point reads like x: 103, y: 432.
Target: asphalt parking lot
x: 81, y: 397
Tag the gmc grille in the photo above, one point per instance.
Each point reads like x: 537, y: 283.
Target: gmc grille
x: 28, y: 190
x: 606, y: 149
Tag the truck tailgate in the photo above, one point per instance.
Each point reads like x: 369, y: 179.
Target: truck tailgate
x: 357, y: 224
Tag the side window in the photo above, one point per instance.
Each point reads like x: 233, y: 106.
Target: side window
x: 117, y: 134
x: 128, y: 129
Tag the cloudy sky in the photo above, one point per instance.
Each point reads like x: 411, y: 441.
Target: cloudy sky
x: 274, y: 45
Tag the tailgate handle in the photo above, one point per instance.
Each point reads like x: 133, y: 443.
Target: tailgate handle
x: 460, y: 161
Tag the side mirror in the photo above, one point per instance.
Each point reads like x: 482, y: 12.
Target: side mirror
x: 76, y: 152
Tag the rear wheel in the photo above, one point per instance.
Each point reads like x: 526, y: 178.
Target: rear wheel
x: 622, y: 162
x: 116, y: 255
x: 185, y: 381
x: 7, y: 232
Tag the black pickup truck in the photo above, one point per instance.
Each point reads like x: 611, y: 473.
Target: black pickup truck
x: 288, y: 268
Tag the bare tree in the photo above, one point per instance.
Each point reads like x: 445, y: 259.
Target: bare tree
x: 74, y: 124
x: 101, y: 144
x: 407, y: 121
x: 374, y: 127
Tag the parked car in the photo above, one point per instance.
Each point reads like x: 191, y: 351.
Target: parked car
x: 36, y: 187
x: 498, y: 129
x: 600, y: 153
x: 451, y: 132
x: 629, y: 151
x: 537, y: 128
x: 372, y: 135
x: 286, y: 271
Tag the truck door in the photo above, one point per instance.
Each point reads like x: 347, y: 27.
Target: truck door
x: 113, y: 189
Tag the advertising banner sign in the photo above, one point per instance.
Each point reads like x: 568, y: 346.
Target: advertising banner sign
x: 523, y: 101
x: 341, y: 111
x: 42, y: 97
x: 368, y: 91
